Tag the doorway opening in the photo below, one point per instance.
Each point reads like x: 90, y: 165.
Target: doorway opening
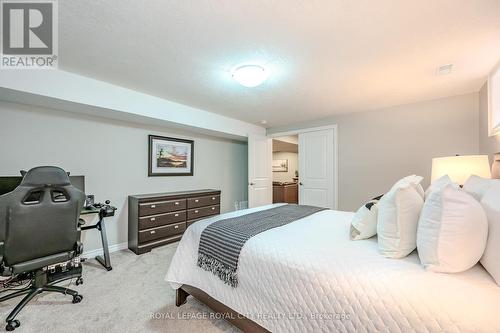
x: 313, y: 180
x: 286, y: 169
x: 317, y: 167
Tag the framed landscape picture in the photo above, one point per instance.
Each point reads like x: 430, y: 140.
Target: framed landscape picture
x: 280, y: 165
x: 170, y: 156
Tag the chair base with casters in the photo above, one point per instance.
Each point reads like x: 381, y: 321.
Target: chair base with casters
x: 39, y: 284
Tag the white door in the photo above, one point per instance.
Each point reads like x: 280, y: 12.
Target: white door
x: 316, y: 168
x: 260, y: 159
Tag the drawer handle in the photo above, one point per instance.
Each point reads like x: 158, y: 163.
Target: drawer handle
x: 153, y: 206
x: 153, y: 232
x: 213, y: 198
x: 176, y: 227
x: 176, y: 203
x: 153, y: 219
x: 196, y: 200
x: 213, y: 208
x: 196, y: 212
x: 176, y: 215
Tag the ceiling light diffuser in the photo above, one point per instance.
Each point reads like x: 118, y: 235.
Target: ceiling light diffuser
x: 444, y: 69
x: 250, y: 75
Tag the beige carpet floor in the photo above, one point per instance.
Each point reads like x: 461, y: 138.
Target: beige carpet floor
x: 133, y: 297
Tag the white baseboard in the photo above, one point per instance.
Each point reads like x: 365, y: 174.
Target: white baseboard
x: 112, y: 248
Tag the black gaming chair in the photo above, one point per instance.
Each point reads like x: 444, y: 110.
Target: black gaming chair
x: 39, y: 227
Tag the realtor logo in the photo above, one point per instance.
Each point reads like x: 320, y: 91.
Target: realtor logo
x: 29, y: 34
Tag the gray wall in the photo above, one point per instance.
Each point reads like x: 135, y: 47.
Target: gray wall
x: 377, y: 148
x: 113, y: 156
x: 487, y: 145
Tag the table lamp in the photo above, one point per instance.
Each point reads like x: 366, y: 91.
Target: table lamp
x: 460, y: 168
x: 495, y: 168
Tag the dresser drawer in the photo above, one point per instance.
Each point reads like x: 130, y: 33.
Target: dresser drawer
x: 153, y: 221
x: 146, y: 247
x: 203, y: 201
x: 161, y: 232
x: 197, y: 213
x: 159, y: 207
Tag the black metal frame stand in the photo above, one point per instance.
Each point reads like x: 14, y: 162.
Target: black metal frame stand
x: 101, y: 226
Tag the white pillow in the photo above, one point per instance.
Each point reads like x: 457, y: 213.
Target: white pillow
x: 414, y: 181
x: 477, y: 186
x: 491, y: 256
x: 452, y: 231
x: 398, y: 213
x: 439, y: 184
x: 364, y: 222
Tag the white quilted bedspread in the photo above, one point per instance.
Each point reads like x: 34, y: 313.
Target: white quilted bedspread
x: 308, y: 276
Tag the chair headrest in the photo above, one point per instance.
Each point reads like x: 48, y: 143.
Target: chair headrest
x: 45, y: 175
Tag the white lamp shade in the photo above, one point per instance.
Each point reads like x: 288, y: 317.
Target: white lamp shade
x: 460, y: 168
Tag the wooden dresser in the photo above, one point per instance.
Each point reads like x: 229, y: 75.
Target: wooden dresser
x: 161, y: 218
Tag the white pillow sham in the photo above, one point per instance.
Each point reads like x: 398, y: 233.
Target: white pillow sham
x: 398, y: 214
x: 452, y: 231
x: 491, y: 256
x: 477, y: 186
x: 413, y: 181
x: 364, y: 222
x: 439, y: 184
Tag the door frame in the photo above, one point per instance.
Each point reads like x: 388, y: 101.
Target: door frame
x: 334, y: 127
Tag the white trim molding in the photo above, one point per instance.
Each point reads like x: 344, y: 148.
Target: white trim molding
x: 494, y: 101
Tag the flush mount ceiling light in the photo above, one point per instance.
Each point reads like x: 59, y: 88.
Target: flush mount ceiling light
x: 250, y: 75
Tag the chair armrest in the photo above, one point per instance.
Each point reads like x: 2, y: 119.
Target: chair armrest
x: 79, y: 248
x: 79, y: 244
x: 1, y: 257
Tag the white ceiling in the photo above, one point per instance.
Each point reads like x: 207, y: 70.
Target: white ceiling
x: 326, y: 57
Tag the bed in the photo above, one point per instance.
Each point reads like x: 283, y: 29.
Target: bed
x: 308, y: 276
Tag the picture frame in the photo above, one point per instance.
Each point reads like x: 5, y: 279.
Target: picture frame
x: 280, y: 165
x: 170, y: 156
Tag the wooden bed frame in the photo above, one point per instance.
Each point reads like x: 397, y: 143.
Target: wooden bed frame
x: 238, y: 320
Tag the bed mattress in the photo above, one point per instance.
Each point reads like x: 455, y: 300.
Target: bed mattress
x: 308, y: 276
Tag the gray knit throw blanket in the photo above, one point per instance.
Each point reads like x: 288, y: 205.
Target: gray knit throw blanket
x: 221, y: 242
